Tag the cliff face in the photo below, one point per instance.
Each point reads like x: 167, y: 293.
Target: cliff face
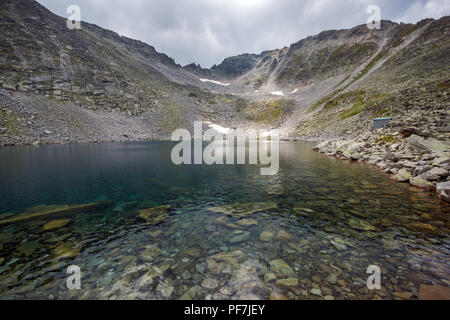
x: 230, y: 68
x: 92, y: 66
x: 114, y: 88
x: 93, y: 73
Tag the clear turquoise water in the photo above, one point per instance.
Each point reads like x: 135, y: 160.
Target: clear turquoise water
x: 324, y: 248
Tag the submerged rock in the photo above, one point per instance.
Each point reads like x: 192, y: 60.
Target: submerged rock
x: 66, y: 250
x: 281, y: 269
x: 332, y: 278
x: 60, y: 238
x: 42, y: 211
x: 338, y: 244
x: 277, y: 296
x: 191, y: 252
x: 244, y: 209
x: 56, y: 224
x: 165, y: 289
x: 270, y: 276
x: 154, y: 215
x: 247, y: 222
x: 194, y: 293
x: 6, y: 237
x: 222, y: 220
x: 225, y: 261
x: 434, y: 292
x: 266, y: 236
x: 287, y: 283
x: 155, y: 233
x: 150, y: 253
x: 316, y: 291
x: 422, y: 227
x: 210, y: 283
x: 28, y: 248
x: 360, y: 225
x: 244, y: 236
x: 283, y: 236
x: 106, y: 280
x: 403, y: 295
x: 298, y: 208
x: 275, y: 190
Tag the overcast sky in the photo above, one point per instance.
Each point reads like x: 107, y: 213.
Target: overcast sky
x: 207, y: 31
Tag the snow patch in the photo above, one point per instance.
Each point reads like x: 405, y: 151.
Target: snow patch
x: 218, y: 128
x: 294, y: 91
x: 266, y: 134
x: 215, y: 82
x: 277, y: 93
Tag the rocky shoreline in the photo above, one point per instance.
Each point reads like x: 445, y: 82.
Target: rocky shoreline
x: 69, y: 142
x: 409, y: 158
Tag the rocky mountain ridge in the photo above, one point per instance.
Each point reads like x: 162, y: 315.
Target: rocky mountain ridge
x: 326, y: 86
x: 92, y: 69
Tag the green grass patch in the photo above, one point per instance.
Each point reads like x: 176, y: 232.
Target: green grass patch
x: 268, y: 112
x: 363, y: 72
x: 359, y: 104
x: 323, y: 100
x: 389, y: 138
x: 10, y: 121
x: 274, y: 110
x: 357, y: 108
x: 351, y: 96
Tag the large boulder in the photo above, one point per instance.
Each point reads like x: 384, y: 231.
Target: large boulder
x: 443, y: 190
x: 440, y: 148
x: 322, y: 145
x: 402, y: 176
x: 443, y: 162
x: 421, y: 182
x: 438, y: 172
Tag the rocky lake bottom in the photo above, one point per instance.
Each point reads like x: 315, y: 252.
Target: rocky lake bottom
x: 140, y: 227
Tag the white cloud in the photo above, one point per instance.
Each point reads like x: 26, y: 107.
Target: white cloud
x: 430, y: 9
x: 207, y: 31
